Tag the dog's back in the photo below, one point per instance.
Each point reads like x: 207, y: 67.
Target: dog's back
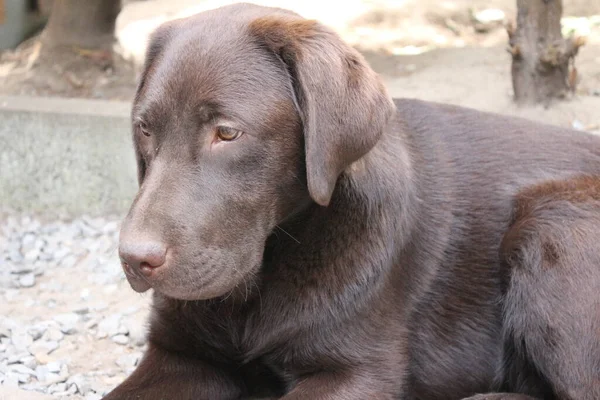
x: 471, y: 166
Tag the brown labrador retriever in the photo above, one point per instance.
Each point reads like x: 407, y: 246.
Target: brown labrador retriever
x: 307, y: 237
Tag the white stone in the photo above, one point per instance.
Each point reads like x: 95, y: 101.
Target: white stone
x: 68, y: 322
x: 21, y: 340
x: 14, y: 358
x: 29, y: 362
x: 21, y: 369
x: 31, y: 255
x: 128, y: 361
x: 54, y: 334
x: 85, y: 294
x: 43, y: 347
x: 28, y: 242
x: 11, y: 381
x: 120, y: 339
x: 54, y: 366
x: 6, y: 325
x: 37, y: 331
x: 27, y: 280
x: 110, y: 325
x: 81, y: 383
x: 57, y: 387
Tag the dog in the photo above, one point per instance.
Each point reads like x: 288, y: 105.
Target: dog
x: 306, y: 236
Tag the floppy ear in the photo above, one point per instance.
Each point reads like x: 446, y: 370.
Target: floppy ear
x: 343, y: 104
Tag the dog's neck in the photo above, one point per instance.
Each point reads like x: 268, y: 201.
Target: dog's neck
x: 376, y: 192
x: 383, y: 179
x: 379, y: 185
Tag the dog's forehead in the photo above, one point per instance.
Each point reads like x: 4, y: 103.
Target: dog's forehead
x: 211, y: 59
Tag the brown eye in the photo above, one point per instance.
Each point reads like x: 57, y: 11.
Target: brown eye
x: 228, y: 134
x: 144, y: 128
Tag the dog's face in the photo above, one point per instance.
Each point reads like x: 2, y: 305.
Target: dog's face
x: 243, y: 115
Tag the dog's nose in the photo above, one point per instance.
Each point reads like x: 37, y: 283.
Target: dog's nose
x: 143, y: 256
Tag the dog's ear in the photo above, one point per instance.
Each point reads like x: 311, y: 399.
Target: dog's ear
x: 343, y: 104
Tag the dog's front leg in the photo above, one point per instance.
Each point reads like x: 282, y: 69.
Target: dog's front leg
x: 340, y: 386
x: 164, y: 375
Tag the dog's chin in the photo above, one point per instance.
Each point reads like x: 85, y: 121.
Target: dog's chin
x: 178, y: 292
x: 138, y: 284
x: 184, y: 288
x: 197, y: 293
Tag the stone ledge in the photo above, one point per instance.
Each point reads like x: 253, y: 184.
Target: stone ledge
x: 65, y: 106
x: 65, y: 157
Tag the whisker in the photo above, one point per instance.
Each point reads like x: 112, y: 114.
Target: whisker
x: 287, y: 233
x: 259, y: 295
x: 296, y: 176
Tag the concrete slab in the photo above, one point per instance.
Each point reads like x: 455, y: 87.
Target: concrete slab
x: 64, y: 157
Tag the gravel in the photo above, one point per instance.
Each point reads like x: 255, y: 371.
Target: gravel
x: 70, y: 326
x: 27, y: 280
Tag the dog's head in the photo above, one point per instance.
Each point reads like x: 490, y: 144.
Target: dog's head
x: 243, y: 115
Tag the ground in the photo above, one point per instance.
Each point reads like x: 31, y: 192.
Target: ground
x: 69, y: 323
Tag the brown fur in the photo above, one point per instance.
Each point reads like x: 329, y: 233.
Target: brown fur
x: 284, y: 35
x: 347, y: 246
x: 581, y: 189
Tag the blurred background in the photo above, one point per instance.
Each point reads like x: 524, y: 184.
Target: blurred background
x: 70, y: 327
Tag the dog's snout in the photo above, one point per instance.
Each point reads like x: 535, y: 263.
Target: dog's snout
x: 142, y: 255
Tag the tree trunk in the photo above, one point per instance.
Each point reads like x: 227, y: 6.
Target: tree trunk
x: 542, y: 60
x: 88, y: 24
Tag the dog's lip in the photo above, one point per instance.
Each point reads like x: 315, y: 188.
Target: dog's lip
x: 137, y: 283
